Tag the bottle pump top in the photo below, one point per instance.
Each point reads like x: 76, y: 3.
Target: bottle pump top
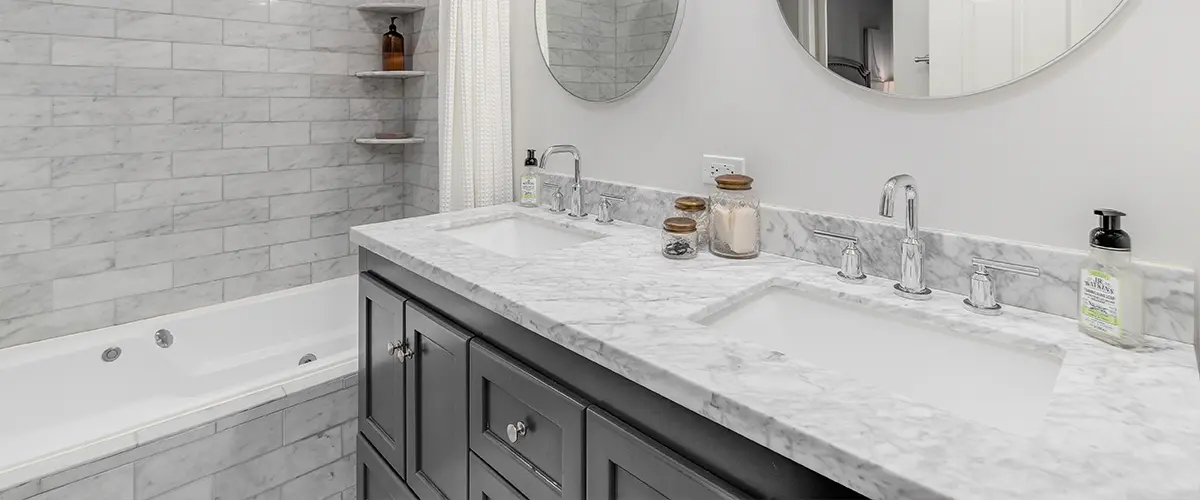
x: 1109, y: 235
x: 392, y: 28
x: 531, y: 161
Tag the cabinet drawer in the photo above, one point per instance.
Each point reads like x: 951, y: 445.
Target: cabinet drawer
x: 624, y: 464
x: 526, y: 427
x: 486, y: 483
x: 381, y: 369
x: 377, y: 480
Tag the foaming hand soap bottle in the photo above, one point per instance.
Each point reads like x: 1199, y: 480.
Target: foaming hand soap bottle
x: 1110, y: 286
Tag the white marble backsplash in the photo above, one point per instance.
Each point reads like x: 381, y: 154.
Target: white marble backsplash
x: 1169, y: 291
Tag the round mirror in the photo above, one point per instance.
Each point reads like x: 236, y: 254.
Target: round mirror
x: 603, y: 50
x: 941, y: 48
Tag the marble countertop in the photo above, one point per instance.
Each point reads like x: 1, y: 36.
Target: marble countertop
x: 1119, y: 424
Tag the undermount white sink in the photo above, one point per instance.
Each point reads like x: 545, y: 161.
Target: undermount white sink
x: 520, y: 236
x: 1005, y: 387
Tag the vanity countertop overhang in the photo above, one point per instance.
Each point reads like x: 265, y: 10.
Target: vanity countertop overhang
x: 1119, y: 424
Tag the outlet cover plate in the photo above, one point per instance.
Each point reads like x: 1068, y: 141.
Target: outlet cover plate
x: 712, y: 166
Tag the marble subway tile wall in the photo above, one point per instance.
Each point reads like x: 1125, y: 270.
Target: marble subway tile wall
x: 300, y: 447
x: 159, y: 155
x: 643, y: 30
x: 583, y: 46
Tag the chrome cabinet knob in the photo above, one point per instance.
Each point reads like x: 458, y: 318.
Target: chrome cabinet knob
x: 517, y: 431
x: 983, y: 291
x: 606, y: 208
x: 851, y: 271
x: 401, y: 351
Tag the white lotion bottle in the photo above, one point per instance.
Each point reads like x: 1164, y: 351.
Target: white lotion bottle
x: 1110, y: 286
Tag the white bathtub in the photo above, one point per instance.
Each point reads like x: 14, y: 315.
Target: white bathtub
x: 61, y: 405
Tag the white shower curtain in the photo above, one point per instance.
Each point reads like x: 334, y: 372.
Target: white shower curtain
x: 476, y: 141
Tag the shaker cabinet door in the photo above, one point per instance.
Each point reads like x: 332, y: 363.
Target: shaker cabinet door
x: 377, y: 480
x: 486, y: 483
x: 437, y: 406
x: 624, y: 464
x: 383, y: 352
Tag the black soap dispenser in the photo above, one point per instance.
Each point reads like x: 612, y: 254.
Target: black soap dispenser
x: 1110, y: 285
x: 531, y: 184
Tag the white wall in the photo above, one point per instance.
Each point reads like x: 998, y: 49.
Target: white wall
x: 1113, y: 125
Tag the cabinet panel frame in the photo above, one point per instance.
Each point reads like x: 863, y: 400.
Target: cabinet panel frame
x: 371, y: 462
x: 390, y: 447
x: 487, y: 484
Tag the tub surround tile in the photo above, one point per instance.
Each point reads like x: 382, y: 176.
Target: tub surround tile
x: 166, y: 248
x: 319, y: 202
x: 25, y: 174
x: 167, y: 28
x: 148, y: 138
x: 1099, y: 438
x: 248, y: 135
x: 220, y: 266
x: 316, y: 156
x: 56, y: 323
x: 195, y: 490
x: 267, y: 184
x: 23, y: 237
x: 174, y: 300
x: 267, y: 233
x: 71, y: 292
x: 106, y: 169
x: 88, y: 229
x: 17, y: 206
x: 57, y: 81
x: 326, y: 270
x: 310, y: 417
x: 27, y: 111
x: 279, y: 466
x: 24, y: 48
x: 37, y: 17
x: 323, y: 482
x: 81, y: 51
x: 308, y: 251
x: 267, y: 281
x: 116, y: 484
x: 274, y: 36
x: 111, y: 110
x: 167, y: 83
x: 221, y: 214
x: 176, y: 467
x: 57, y: 263
x: 25, y: 300
x: 245, y: 10
x: 221, y: 109
x: 340, y: 222
x: 220, y: 162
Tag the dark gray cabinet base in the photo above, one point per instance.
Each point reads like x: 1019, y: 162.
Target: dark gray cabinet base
x: 377, y: 480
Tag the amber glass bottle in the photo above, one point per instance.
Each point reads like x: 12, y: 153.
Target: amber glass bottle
x: 393, y: 49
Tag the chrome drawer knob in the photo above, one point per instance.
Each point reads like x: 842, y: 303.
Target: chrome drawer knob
x: 517, y: 431
x: 401, y: 351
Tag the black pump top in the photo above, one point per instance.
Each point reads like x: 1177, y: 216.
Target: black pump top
x: 531, y: 161
x: 392, y: 28
x: 1109, y: 235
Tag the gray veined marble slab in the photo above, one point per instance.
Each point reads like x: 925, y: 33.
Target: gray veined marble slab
x: 1169, y: 291
x: 1118, y: 425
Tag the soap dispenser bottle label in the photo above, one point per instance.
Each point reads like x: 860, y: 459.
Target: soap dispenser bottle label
x: 529, y: 189
x: 1098, y: 302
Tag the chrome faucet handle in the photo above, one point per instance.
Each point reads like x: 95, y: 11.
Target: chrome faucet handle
x: 606, y: 208
x: 983, y: 291
x: 851, y: 271
x: 556, y: 199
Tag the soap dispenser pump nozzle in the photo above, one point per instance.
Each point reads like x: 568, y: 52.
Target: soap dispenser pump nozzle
x: 1109, y: 235
x: 531, y: 160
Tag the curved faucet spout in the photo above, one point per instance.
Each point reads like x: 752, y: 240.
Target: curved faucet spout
x: 912, y: 280
x: 887, y: 203
x: 577, y: 209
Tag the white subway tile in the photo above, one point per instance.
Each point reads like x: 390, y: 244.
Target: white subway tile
x: 347, y: 131
x: 377, y: 196
x: 221, y: 214
x: 167, y: 83
x: 41, y: 17
x: 266, y: 85
x: 24, y: 111
x: 29, y: 142
x: 167, y: 247
x: 57, y: 263
x: 53, y: 324
x: 346, y: 41
x: 24, y: 174
x: 148, y: 138
x: 219, y: 57
x: 86, y: 170
x: 296, y: 205
x: 24, y: 237
x: 304, y: 109
x: 138, y: 5
x: 306, y: 61
x: 311, y: 417
x: 35, y: 204
x: 108, y: 285
x: 241, y: 135
x: 221, y: 266
x: 221, y: 110
x: 341, y: 222
x: 24, y: 48
x: 168, y: 28
x: 349, y: 86
x: 340, y: 267
x: 279, y: 466
x: 323, y: 482
x: 377, y: 109
x: 111, y: 110
x: 170, y: 301
x: 219, y: 162
x: 266, y: 184
x: 57, y: 80
x: 345, y: 177
x: 245, y: 10
x: 322, y: 155
x: 179, y: 466
x: 267, y: 35
x: 80, y: 51
x: 265, y: 233
x: 307, y: 251
x: 167, y: 193
x: 267, y: 282
x: 24, y: 300
x: 88, y: 229
x: 296, y: 13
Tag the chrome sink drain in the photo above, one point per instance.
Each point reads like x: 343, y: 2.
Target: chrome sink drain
x: 111, y: 354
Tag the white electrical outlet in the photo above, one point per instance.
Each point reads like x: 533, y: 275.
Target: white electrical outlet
x: 713, y: 166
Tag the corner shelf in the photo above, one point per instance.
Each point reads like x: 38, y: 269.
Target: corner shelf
x: 392, y: 7
x: 388, y: 142
x: 390, y: 74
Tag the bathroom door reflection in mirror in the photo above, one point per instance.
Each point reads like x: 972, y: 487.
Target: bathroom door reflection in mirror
x: 602, y: 50
x: 941, y: 48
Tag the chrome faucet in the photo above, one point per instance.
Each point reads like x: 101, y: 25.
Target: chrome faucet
x: 912, y: 281
x: 576, y: 203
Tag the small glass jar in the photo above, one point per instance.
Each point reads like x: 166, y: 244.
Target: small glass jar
x: 695, y: 208
x: 734, y: 227
x: 680, y: 240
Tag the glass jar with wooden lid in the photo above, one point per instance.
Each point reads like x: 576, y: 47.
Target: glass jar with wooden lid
x: 679, y: 238
x: 734, y: 219
x: 695, y: 208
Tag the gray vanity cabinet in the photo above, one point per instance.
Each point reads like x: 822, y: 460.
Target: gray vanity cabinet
x: 437, y: 406
x: 526, y: 427
x: 376, y: 479
x: 624, y: 464
x: 486, y: 483
x: 382, y: 347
